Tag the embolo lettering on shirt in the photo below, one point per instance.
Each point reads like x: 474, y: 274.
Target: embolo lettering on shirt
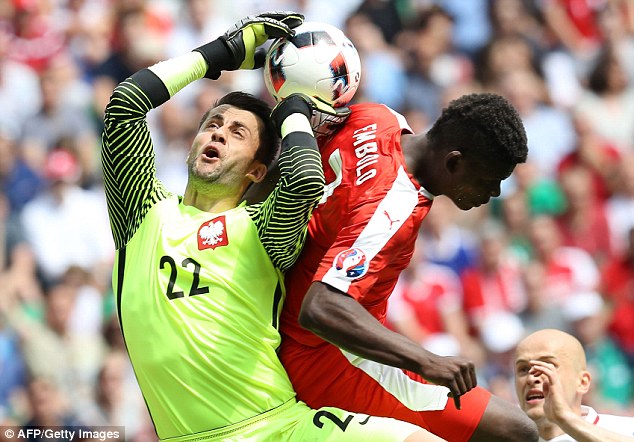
x: 365, y: 148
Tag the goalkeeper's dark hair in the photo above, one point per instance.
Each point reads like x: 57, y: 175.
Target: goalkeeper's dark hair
x: 483, y: 126
x: 269, y: 142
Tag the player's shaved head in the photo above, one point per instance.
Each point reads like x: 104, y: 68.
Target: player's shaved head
x: 544, y: 360
x: 555, y: 343
x: 566, y: 355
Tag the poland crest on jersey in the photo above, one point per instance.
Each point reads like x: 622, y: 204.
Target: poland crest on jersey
x: 213, y: 233
x: 351, y: 263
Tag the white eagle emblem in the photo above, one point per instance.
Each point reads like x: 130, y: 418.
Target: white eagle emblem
x: 212, y: 233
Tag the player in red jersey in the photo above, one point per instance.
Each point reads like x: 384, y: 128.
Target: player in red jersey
x: 381, y: 181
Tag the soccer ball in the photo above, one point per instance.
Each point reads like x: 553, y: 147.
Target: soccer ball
x: 319, y: 61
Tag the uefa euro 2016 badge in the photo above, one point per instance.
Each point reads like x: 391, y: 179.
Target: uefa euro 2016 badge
x: 213, y: 233
x: 351, y: 263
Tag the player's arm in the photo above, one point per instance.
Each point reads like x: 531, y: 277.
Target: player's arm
x: 558, y: 410
x: 341, y: 320
x: 282, y: 218
x: 128, y: 155
x: 332, y: 308
x: 583, y: 431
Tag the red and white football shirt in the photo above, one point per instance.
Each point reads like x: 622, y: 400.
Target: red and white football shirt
x: 362, y: 234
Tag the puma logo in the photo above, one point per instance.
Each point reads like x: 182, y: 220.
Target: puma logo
x: 389, y: 218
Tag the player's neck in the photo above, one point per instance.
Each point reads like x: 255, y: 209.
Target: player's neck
x: 409, y: 144
x: 209, y: 203
x: 548, y: 430
x: 419, y: 160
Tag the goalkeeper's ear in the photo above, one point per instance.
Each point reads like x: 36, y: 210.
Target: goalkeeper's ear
x: 258, y: 192
x: 257, y: 172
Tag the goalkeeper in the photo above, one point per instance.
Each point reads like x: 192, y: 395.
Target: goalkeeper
x: 197, y: 278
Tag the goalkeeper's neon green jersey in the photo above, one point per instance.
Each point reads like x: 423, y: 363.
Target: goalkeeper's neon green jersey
x: 199, y: 294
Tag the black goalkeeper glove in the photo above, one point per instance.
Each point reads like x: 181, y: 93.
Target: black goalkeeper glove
x: 236, y: 48
x: 314, y: 109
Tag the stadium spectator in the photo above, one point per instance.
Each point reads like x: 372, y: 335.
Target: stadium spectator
x: 620, y: 206
x: 472, y: 25
x: 14, y: 373
x: 616, y: 26
x: 67, y: 225
x: 196, y: 22
x: 516, y: 17
x: 117, y: 400
x: 426, y: 307
x: 497, y: 372
x: 540, y: 312
x: 48, y: 408
x: 447, y: 242
x: 514, y: 214
x: 551, y: 380
x: 608, y: 103
x: 20, y: 96
x: 68, y: 360
x: 434, y: 64
x: 584, y: 224
x: 549, y: 130
x: 384, y: 74
x: 138, y: 33
x: 494, y: 283
x: 594, y: 154
x: 503, y: 55
x: 35, y: 37
x: 60, y: 122
x: 574, y: 24
x: 19, y: 182
x: 566, y: 270
x: 543, y: 195
x: 617, y: 281
x: 20, y: 278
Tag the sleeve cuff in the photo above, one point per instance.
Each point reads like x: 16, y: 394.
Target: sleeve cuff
x: 295, y: 123
x: 178, y: 72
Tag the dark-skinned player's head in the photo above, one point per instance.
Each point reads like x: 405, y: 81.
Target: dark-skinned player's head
x: 475, y: 144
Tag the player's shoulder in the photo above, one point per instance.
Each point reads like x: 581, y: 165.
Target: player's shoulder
x: 372, y: 109
x: 368, y: 107
x: 368, y: 114
x: 624, y: 424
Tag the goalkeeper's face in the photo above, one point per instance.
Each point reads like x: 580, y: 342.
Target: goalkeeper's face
x: 224, y: 149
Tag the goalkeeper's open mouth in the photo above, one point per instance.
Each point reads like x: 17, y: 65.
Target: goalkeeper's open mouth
x: 210, y: 153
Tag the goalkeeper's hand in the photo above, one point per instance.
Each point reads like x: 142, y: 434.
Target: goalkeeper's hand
x: 237, y: 47
x: 317, y: 112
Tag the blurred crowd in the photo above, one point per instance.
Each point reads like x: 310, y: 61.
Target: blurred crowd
x: 556, y: 249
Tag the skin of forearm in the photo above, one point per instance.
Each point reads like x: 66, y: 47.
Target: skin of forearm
x: 342, y: 321
x: 583, y: 431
